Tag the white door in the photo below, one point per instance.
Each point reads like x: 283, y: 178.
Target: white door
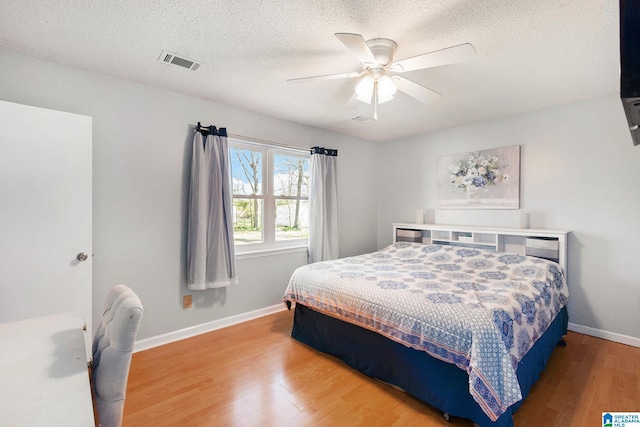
x: 45, y: 213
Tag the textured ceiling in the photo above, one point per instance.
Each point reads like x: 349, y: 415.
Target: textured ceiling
x: 530, y: 54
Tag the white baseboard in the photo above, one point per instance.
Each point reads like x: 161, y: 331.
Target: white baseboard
x: 599, y: 333
x: 192, y: 331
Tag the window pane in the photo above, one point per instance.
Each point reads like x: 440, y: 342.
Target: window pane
x: 247, y: 221
x: 246, y: 171
x: 292, y: 219
x: 290, y: 175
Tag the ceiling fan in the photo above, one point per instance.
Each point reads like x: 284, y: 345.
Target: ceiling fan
x: 379, y: 76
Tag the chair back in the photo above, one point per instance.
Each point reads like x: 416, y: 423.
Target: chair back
x: 112, y: 350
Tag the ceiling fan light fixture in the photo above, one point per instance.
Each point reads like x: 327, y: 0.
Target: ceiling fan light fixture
x: 364, y: 89
x: 386, y: 89
x: 384, y: 86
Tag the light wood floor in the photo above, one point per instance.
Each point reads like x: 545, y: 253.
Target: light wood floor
x: 255, y: 374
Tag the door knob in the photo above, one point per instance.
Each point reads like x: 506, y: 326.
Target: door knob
x: 82, y: 256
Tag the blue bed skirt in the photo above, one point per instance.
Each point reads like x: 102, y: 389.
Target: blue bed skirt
x: 440, y: 384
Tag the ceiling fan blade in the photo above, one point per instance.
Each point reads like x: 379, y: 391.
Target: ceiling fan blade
x: 327, y: 77
x: 449, y: 55
x: 356, y: 44
x: 414, y: 90
x: 362, y: 119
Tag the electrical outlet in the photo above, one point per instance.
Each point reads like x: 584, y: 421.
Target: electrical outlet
x: 187, y: 301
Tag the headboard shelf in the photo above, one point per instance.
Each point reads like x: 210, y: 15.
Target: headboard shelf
x: 540, y: 242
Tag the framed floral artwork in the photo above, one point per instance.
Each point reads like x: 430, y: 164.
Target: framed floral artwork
x: 488, y: 179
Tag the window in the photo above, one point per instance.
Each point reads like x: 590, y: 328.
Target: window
x: 270, y: 196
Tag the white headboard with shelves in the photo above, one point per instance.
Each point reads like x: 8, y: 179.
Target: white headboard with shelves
x: 539, y: 242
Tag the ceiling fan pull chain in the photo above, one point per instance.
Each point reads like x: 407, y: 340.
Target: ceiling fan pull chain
x: 375, y: 99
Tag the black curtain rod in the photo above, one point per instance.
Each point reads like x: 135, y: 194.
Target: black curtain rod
x: 211, y: 130
x: 325, y: 151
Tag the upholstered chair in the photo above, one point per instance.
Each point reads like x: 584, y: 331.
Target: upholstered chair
x: 112, y: 350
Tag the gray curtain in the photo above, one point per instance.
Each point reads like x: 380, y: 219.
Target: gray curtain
x: 323, y: 205
x: 210, y: 251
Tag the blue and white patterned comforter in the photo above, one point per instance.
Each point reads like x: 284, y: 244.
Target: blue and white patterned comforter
x: 479, y: 309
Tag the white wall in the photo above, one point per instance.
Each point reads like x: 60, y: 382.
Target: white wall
x: 579, y: 171
x: 141, y: 149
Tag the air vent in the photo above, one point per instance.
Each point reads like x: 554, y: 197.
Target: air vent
x: 172, y: 58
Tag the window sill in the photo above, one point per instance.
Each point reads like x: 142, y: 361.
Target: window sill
x: 265, y: 252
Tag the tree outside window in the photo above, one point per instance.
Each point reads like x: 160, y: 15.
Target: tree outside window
x: 270, y: 194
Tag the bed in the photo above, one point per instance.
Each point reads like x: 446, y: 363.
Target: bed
x: 465, y: 330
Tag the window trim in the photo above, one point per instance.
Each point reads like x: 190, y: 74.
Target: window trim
x: 269, y: 243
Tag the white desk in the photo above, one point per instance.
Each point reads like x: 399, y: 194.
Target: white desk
x: 43, y: 373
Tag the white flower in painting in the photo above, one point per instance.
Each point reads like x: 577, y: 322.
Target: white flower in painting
x: 476, y: 171
x: 506, y: 177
